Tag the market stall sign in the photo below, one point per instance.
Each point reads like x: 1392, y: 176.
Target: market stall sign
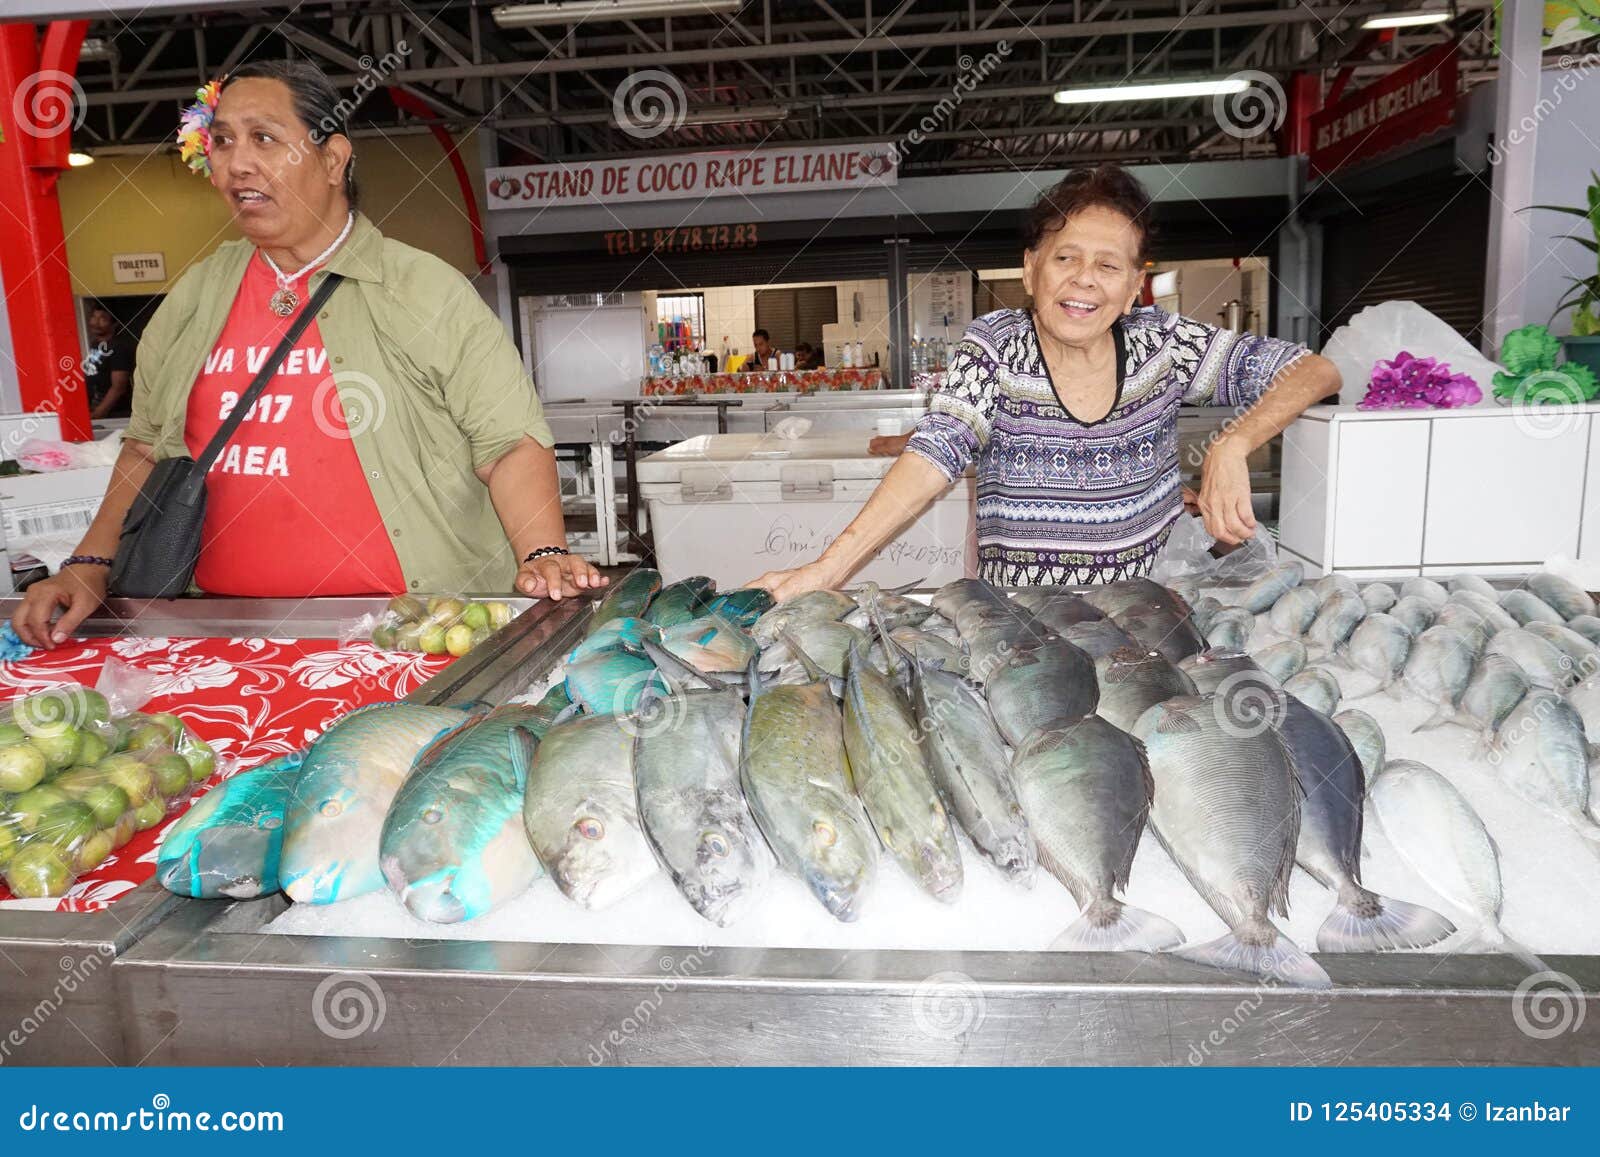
x: 680, y: 239
x: 806, y: 169
x: 1414, y: 100
x: 127, y: 267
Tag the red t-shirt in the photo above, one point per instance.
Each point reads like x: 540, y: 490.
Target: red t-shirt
x: 288, y: 512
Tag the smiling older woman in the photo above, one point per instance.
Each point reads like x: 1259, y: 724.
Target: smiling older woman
x: 400, y: 445
x: 1070, y: 410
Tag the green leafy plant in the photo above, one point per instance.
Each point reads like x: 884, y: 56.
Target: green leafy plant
x: 1529, y: 355
x: 1584, y: 296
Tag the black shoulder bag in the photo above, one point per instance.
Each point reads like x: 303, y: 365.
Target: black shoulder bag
x: 160, y: 541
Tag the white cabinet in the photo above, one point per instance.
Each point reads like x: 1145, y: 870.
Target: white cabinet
x: 1411, y: 492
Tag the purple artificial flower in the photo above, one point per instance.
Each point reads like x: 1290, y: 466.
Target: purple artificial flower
x: 1405, y: 382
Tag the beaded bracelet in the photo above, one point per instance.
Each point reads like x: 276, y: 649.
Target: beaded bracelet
x: 85, y: 560
x: 544, y: 552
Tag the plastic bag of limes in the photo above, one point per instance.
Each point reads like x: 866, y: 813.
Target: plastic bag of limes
x: 439, y: 625
x: 77, y: 784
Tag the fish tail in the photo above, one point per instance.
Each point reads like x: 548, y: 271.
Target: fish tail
x: 1260, y: 949
x: 1364, y: 921
x: 1109, y: 925
x: 1443, y: 717
x: 1493, y: 938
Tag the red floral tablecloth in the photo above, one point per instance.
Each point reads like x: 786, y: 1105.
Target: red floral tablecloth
x: 766, y: 382
x: 251, y: 699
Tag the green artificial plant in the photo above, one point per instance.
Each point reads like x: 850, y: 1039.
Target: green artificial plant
x: 1584, y: 296
x: 1529, y: 356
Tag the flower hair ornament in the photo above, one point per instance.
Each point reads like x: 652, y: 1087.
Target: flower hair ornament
x: 194, y: 130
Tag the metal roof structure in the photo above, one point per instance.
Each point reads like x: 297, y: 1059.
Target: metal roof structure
x: 959, y: 85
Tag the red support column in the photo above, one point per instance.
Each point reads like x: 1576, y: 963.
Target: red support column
x: 39, y: 104
x: 414, y: 105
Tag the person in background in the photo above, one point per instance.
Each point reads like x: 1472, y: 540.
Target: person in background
x: 807, y: 358
x: 399, y: 448
x: 108, y: 366
x: 764, y: 350
x: 1068, y: 410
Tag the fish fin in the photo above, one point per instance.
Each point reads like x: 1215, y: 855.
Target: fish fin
x: 900, y: 662
x: 1335, y: 659
x: 752, y: 675
x: 522, y: 743
x: 430, y: 749
x: 905, y: 588
x: 1364, y: 921
x: 1282, y: 960
x: 1109, y: 925
x: 1175, y: 722
x: 1494, y: 939
x: 566, y: 713
x: 1443, y: 717
x: 813, y: 672
x: 669, y: 664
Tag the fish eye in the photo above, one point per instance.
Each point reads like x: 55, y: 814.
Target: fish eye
x: 270, y: 823
x: 714, y: 843
x: 590, y: 828
x: 331, y: 808
x: 825, y: 834
x: 432, y: 816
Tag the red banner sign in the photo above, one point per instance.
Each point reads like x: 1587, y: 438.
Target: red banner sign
x: 1414, y: 100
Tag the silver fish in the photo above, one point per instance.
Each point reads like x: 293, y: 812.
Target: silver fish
x: 335, y: 815
x: 1333, y: 784
x: 1260, y: 595
x: 1366, y: 737
x: 1545, y: 759
x: 1133, y: 681
x: 1098, y: 638
x: 1379, y: 646
x: 1416, y: 615
x: 1526, y: 607
x: 710, y: 643
x: 1435, y: 831
x: 1227, y: 810
x: 1584, y: 655
x: 1164, y: 630
x: 686, y: 765
x: 1209, y: 669
x: 796, y: 777
x: 1283, y: 660
x: 1465, y: 619
x: 823, y: 606
x: 581, y: 810
x: 1229, y: 630
x: 928, y: 648
x: 1567, y: 597
x: 1201, y: 612
x: 1475, y: 583
x: 1337, y: 619
x: 1315, y: 688
x: 972, y: 770
x: 1489, y: 609
x: 1497, y: 685
x: 1295, y: 612
x: 1330, y: 584
x: 825, y: 642
x: 1541, y: 661
x: 1089, y: 788
x: 1379, y: 596
x: 949, y: 599
x: 1586, y: 625
x: 1425, y: 589
x: 1047, y: 687
x: 1438, y: 669
x: 1065, y: 611
x: 895, y: 610
x: 1585, y: 700
x: 892, y: 778
x: 453, y: 846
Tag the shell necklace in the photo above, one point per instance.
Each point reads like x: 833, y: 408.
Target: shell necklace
x: 286, y: 300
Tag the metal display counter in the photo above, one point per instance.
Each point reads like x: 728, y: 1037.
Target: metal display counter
x: 56, y: 999
x: 202, y: 984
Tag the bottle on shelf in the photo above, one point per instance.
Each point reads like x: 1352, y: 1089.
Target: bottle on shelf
x: 860, y: 359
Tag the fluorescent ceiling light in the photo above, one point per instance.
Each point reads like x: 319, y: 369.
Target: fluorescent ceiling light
x: 79, y: 160
x: 1408, y: 19
x: 1176, y: 88
x: 96, y: 48
x: 735, y: 115
x: 578, y: 11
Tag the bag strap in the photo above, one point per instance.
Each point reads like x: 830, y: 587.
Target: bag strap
x: 268, y: 371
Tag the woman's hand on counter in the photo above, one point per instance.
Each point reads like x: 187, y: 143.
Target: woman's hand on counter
x: 558, y: 576
x: 1225, y: 494
x: 77, y: 590
x: 784, y: 585
x: 888, y: 445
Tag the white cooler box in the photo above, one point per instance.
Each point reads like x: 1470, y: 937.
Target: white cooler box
x: 734, y: 506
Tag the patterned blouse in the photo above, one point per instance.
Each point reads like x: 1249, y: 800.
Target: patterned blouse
x: 1062, y: 501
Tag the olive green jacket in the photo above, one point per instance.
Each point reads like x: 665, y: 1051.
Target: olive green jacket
x: 430, y: 384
